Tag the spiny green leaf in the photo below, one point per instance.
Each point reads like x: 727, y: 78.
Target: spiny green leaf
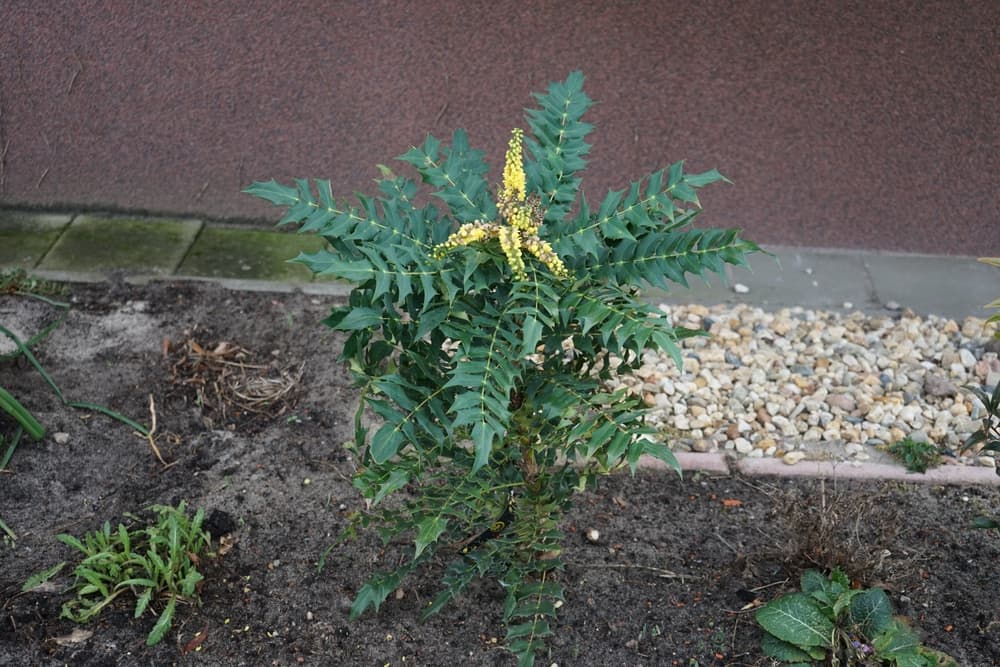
x: 274, y: 192
x: 374, y: 593
x: 397, y: 479
x: 428, y: 530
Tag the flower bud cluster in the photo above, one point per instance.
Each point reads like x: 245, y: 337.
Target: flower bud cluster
x: 547, y: 256
x: 520, y: 218
x: 467, y: 234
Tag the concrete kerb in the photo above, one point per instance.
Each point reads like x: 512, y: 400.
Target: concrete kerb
x: 718, y: 463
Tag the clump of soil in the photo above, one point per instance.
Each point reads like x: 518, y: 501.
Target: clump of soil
x: 674, y: 578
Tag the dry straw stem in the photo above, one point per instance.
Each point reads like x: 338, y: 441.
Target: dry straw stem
x: 151, y: 436
x: 223, y: 378
x: 840, y: 530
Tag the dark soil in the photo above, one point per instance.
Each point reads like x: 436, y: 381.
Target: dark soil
x: 672, y: 580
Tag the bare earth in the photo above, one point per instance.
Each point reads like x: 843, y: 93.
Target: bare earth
x: 672, y: 580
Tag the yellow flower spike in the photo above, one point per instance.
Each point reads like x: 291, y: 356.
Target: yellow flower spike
x: 547, y: 256
x: 522, y: 214
x: 513, y: 169
x: 510, y: 243
x: 467, y: 234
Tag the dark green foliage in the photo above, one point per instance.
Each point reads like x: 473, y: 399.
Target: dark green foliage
x: 989, y: 436
x: 485, y: 385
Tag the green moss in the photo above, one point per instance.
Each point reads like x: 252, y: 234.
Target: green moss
x: 26, y: 237
x: 93, y: 244
x: 248, y: 254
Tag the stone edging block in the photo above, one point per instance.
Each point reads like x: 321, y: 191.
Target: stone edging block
x: 717, y: 463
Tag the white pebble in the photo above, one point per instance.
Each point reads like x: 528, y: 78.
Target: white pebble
x: 804, y: 376
x: 791, y: 458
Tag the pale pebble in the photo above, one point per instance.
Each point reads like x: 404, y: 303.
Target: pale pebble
x: 791, y: 458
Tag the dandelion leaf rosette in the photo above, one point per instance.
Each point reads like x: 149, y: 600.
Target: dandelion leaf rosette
x: 486, y: 315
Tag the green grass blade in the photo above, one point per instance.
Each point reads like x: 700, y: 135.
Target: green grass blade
x: 6, y: 529
x: 58, y: 392
x: 34, y: 362
x: 44, y: 333
x: 21, y: 415
x: 5, y: 459
x: 110, y: 413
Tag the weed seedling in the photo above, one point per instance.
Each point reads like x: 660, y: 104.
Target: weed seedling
x: 157, y: 563
x: 915, y: 455
x: 829, y: 620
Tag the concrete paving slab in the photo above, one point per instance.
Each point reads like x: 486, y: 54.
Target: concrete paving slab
x: 792, y: 277
x: 25, y: 237
x: 93, y: 244
x: 239, y: 253
x: 952, y: 287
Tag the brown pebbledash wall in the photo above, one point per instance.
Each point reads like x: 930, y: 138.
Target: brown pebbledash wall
x: 842, y: 124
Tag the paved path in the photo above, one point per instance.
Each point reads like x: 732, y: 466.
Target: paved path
x: 77, y: 247
x: 90, y: 248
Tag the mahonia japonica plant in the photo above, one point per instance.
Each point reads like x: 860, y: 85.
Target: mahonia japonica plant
x: 482, y: 333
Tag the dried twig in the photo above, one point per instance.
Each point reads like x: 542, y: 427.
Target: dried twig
x: 770, y: 585
x: 727, y: 543
x: 76, y: 73
x: 441, y: 113
x: 660, y: 572
x: 151, y: 436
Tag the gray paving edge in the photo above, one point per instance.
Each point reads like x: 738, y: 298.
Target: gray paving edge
x: 719, y: 464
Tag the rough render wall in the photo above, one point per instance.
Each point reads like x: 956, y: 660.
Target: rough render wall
x: 872, y: 125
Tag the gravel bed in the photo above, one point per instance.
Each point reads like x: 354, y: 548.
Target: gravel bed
x: 800, y: 383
